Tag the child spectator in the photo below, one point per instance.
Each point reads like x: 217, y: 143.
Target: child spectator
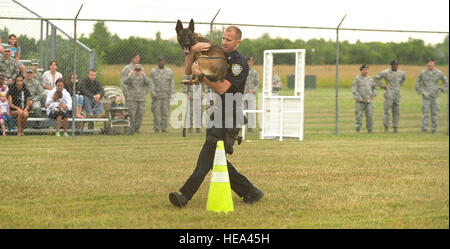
x: 3, y: 86
x: 15, y: 52
x: 4, y: 111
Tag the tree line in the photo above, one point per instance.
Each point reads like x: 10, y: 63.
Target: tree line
x: 111, y: 49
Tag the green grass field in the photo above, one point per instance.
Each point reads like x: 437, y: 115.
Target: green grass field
x: 347, y: 181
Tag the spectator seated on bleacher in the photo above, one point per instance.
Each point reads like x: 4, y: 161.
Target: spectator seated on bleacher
x: 59, y: 106
x: 36, y: 92
x: 93, y: 93
x: 20, y: 103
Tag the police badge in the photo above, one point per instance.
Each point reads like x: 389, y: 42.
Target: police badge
x: 236, y: 69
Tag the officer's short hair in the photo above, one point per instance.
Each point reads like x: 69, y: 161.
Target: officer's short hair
x: 394, y: 62
x: 430, y: 59
x: 236, y: 30
x: 363, y: 66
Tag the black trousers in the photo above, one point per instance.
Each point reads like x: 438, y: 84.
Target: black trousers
x: 239, y: 183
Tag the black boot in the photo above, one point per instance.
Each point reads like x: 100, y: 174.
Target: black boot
x: 177, y: 200
x: 253, y: 196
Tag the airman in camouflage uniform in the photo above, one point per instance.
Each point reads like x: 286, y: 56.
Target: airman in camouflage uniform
x: 276, y: 85
x: 36, y: 73
x: 196, y: 94
x: 135, y: 89
x: 364, y: 90
x: 251, y: 88
x: 36, y: 92
x: 162, y: 87
x: 427, y: 85
x: 394, y: 80
x: 8, y: 66
x: 135, y: 59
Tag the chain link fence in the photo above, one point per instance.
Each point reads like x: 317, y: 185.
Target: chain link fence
x: 109, y: 55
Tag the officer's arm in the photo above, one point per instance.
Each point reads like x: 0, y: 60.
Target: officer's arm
x: 374, y: 89
x: 403, y: 79
x: 218, y: 87
x: 378, y: 78
x: 355, y: 92
x: 417, y: 84
x: 445, y: 83
x: 256, y: 88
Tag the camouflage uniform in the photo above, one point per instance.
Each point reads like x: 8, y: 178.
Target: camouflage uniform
x: 162, y: 87
x: 9, y: 68
x: 394, y: 80
x: 363, y: 89
x: 135, y: 88
x: 201, y: 90
x: 276, y: 89
x: 252, y: 83
x: 37, y: 75
x: 427, y: 84
x: 37, y: 93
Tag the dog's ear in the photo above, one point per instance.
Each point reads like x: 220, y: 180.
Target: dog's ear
x: 191, y: 25
x: 179, y: 26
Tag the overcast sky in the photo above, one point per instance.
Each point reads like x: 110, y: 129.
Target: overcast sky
x: 432, y: 15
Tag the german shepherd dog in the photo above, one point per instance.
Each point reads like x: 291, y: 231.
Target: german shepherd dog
x: 212, y: 63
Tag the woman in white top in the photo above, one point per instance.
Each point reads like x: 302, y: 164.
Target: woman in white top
x: 64, y: 107
x: 51, y: 76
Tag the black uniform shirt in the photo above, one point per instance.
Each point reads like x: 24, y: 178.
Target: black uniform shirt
x: 237, y: 75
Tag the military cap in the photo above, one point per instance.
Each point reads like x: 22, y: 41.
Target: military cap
x: 34, y: 62
x: 160, y: 58
x: 30, y: 69
x: 394, y: 62
x: 6, y: 47
x: 363, y: 66
x: 138, y: 67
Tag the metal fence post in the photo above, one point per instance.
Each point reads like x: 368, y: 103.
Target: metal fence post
x: 211, y: 27
x: 41, y: 45
x: 74, y: 75
x: 337, y: 73
x: 91, y: 63
x: 47, y: 46
x: 53, y: 45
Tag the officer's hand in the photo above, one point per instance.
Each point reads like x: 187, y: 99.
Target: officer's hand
x: 195, y: 69
x: 200, y: 47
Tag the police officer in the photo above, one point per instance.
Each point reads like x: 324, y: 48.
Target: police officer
x: 135, y: 88
x: 8, y: 66
x: 364, y: 90
x: 427, y: 85
x: 234, y: 83
x: 162, y: 87
x: 394, y: 80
